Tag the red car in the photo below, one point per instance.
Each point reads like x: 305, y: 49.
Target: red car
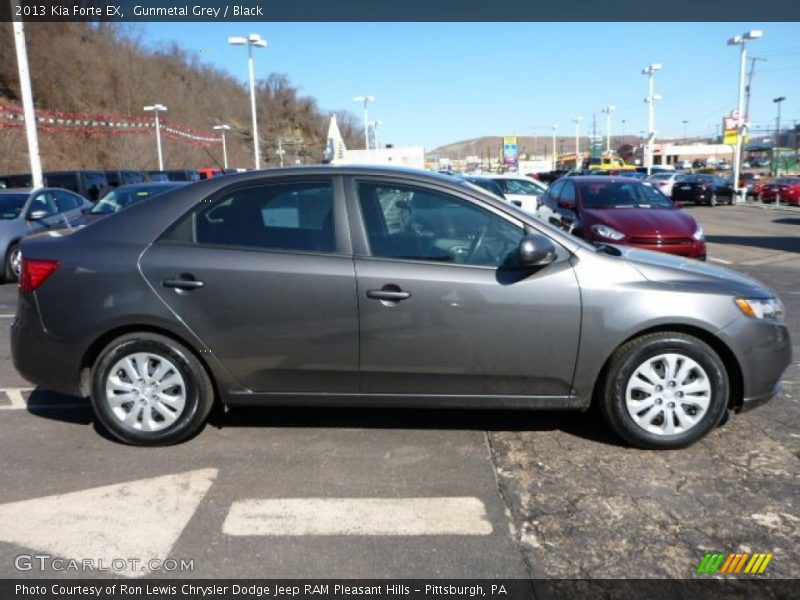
x: 787, y: 188
x: 624, y: 211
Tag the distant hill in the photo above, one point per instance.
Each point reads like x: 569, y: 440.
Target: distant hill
x: 541, y: 145
x: 105, y: 68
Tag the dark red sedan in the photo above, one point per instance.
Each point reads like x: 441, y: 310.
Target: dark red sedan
x: 785, y: 188
x: 622, y: 211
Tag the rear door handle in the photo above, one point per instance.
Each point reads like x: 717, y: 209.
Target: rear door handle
x: 182, y: 284
x: 389, y: 293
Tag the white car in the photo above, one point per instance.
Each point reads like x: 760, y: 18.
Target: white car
x: 519, y: 190
x: 664, y: 182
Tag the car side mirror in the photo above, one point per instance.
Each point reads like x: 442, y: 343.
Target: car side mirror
x: 536, y: 250
x: 37, y: 215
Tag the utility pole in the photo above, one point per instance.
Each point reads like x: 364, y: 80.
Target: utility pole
x: 779, y: 100
x: 749, y: 87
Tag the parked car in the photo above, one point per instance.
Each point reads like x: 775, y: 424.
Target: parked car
x: 683, y: 164
x: 183, y: 175
x: 323, y: 285
x: 620, y: 210
x: 485, y: 183
x: 157, y: 176
x: 89, y: 184
x: 637, y: 175
x: 785, y: 188
x: 551, y: 176
x: 123, y: 177
x: 384, y: 287
x: 519, y: 190
x: 749, y: 181
x: 124, y: 197
x: 24, y: 211
x: 703, y: 189
x: 665, y: 181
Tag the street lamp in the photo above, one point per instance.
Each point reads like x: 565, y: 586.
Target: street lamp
x: 778, y: 101
x: 651, y: 100
x: 608, y: 110
x: 155, y: 109
x: 554, y: 127
x: 577, y: 120
x: 685, y: 123
x: 223, y: 129
x: 254, y: 40
x: 366, y: 100
x: 741, y: 124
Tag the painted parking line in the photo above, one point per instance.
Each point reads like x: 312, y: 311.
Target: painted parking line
x: 7, y: 316
x: 720, y: 260
x: 358, y: 517
x: 138, y: 519
x: 18, y: 400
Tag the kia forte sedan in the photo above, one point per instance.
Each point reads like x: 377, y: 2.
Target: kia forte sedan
x: 365, y: 286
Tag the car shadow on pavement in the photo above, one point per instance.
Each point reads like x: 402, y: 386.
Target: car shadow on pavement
x: 787, y: 221
x: 779, y: 243
x: 588, y: 425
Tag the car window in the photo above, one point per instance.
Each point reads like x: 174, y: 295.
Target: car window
x: 281, y: 216
x: 414, y: 223
x: 568, y: 193
x: 618, y: 194
x: 66, y: 201
x: 43, y: 201
x: 518, y: 186
x: 11, y: 205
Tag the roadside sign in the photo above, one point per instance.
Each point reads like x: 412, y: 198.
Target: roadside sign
x: 510, y: 150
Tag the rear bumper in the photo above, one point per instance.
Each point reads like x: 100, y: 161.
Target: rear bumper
x: 38, y: 357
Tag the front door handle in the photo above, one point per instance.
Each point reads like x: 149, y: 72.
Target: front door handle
x: 389, y: 293
x: 182, y: 284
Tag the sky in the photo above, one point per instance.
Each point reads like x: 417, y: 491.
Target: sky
x: 437, y: 83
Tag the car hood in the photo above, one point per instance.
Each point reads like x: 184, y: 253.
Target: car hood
x: 671, y: 269
x: 644, y: 221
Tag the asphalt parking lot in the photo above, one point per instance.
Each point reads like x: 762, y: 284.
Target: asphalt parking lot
x: 524, y: 494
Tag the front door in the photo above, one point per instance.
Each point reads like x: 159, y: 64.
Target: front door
x: 264, y: 277
x: 442, y: 312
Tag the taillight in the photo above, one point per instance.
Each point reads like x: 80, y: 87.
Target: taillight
x: 34, y: 272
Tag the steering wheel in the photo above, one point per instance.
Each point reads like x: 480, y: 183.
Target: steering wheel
x: 477, y: 242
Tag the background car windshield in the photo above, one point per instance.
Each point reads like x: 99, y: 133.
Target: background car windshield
x: 118, y: 199
x: 519, y: 186
x: 486, y: 184
x: 698, y: 179
x: 622, y: 195
x: 11, y: 205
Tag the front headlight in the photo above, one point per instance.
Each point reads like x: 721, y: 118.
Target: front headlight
x: 761, y: 308
x: 607, y: 232
x: 699, y: 234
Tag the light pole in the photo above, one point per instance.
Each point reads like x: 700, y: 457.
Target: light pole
x: 254, y: 40
x: 577, y: 120
x: 155, y: 109
x: 651, y: 113
x: 27, y: 100
x: 366, y: 100
x: 685, y: 123
x: 554, y: 127
x: 608, y: 110
x: 222, y: 129
x: 741, y: 124
x: 375, y: 125
x: 779, y: 100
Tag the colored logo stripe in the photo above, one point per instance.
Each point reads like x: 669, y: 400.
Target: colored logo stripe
x: 734, y: 563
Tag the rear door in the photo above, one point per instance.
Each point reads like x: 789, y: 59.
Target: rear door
x: 69, y: 205
x: 441, y: 313
x: 263, y: 273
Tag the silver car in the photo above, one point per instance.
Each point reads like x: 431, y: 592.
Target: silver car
x: 356, y: 286
x: 24, y: 211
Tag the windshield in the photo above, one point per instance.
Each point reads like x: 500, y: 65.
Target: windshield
x: 622, y: 194
x: 518, y: 186
x: 123, y: 197
x: 11, y: 205
x: 698, y: 179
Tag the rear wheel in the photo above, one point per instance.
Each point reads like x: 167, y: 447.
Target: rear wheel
x: 149, y: 390
x: 665, y: 390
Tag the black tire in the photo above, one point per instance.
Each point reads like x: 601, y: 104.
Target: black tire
x: 9, y: 274
x: 630, y: 356
x: 199, y: 392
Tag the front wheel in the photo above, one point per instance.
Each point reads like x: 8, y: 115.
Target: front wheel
x: 713, y: 201
x: 665, y: 390
x: 149, y: 390
x: 13, y: 266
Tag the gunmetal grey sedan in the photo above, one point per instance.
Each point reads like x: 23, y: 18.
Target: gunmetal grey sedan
x: 24, y: 211
x: 371, y: 286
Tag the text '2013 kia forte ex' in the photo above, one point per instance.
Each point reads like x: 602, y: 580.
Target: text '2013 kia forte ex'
x: 363, y: 286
